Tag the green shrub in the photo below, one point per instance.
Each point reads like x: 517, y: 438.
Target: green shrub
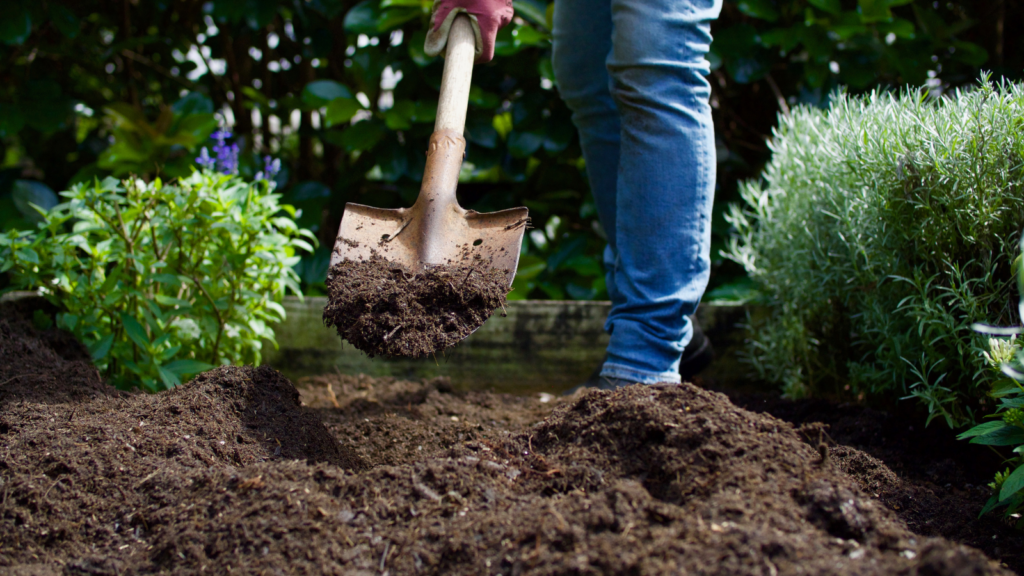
x: 884, y: 227
x: 161, y: 281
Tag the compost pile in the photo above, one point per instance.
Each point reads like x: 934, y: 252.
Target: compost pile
x: 231, y: 473
x: 384, y: 309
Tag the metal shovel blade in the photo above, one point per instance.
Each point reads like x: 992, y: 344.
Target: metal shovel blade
x: 436, y: 230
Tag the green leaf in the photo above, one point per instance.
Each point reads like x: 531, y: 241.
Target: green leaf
x: 362, y: 18
x: 341, y: 110
x: 169, y: 301
x: 170, y: 379
x: 28, y: 194
x: 68, y: 321
x: 1012, y: 484
x: 99, y: 349
x: 873, y: 10
x: 193, y: 103
x: 15, y: 22
x: 898, y: 26
x: 970, y: 53
x: 363, y: 135
x: 187, y: 367
x: 41, y: 320
x: 523, y: 144
x: 482, y: 98
x: 135, y: 331
x: 1005, y: 436
x: 419, y: 57
x: 981, y: 430
x: 830, y: 6
x: 28, y: 255
x: 532, y: 11
x: 167, y: 279
x: 395, y: 17
x: 321, y: 92
x: 399, y: 117
x: 762, y: 9
x: 64, y: 20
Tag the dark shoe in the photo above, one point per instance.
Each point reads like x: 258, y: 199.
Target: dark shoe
x: 697, y: 355
x: 598, y: 382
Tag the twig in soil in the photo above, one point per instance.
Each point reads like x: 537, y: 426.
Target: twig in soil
x: 392, y: 333
x: 468, y: 274
x: 55, y: 482
x: 12, y: 379
x: 331, y: 396
x: 384, y: 556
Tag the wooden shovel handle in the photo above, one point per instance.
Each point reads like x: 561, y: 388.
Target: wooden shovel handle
x: 457, y: 77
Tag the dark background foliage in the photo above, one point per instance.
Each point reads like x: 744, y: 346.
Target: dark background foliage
x: 343, y: 94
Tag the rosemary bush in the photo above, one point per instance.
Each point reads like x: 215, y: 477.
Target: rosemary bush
x: 162, y: 281
x: 883, y: 228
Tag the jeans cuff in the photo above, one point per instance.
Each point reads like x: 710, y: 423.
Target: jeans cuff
x: 611, y: 370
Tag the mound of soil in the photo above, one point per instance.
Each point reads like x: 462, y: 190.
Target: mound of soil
x: 230, y: 474
x: 384, y: 309
x: 935, y: 483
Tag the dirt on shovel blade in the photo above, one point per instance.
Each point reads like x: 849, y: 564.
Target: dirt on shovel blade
x: 384, y: 309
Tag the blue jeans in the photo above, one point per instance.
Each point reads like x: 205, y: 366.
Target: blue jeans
x: 633, y: 74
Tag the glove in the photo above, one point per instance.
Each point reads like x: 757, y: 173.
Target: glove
x: 488, y: 16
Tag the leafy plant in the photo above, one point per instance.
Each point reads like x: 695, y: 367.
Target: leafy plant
x: 882, y: 231
x: 161, y: 281
x: 1006, y: 361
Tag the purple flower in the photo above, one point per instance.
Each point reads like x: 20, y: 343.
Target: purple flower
x: 204, y: 159
x: 227, y: 157
x: 271, y: 167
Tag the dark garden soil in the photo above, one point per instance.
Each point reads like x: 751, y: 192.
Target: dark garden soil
x: 935, y: 483
x: 237, y: 472
x: 384, y: 309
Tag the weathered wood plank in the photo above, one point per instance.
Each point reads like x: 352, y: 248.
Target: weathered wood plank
x: 541, y: 345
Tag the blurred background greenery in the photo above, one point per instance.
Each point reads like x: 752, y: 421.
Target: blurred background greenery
x: 343, y: 94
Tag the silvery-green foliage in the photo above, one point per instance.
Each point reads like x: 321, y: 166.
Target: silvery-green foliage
x: 883, y: 228
x: 161, y: 281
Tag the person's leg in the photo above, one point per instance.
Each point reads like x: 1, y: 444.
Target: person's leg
x: 665, y: 182
x: 582, y: 46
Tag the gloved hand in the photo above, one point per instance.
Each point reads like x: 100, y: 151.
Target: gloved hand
x: 488, y: 16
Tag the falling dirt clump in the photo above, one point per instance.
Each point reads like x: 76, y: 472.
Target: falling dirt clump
x: 384, y: 309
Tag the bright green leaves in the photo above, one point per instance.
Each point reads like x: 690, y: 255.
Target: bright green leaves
x: 162, y: 281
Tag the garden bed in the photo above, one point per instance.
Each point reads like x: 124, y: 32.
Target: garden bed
x: 239, y: 472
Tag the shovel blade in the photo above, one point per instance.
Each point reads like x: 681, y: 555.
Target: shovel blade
x: 417, y: 238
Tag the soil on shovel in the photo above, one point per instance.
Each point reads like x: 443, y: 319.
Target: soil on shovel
x: 237, y: 472
x: 384, y: 309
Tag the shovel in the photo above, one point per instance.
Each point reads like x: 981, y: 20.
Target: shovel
x: 436, y: 230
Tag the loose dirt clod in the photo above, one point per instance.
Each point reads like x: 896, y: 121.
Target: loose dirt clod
x: 384, y: 309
